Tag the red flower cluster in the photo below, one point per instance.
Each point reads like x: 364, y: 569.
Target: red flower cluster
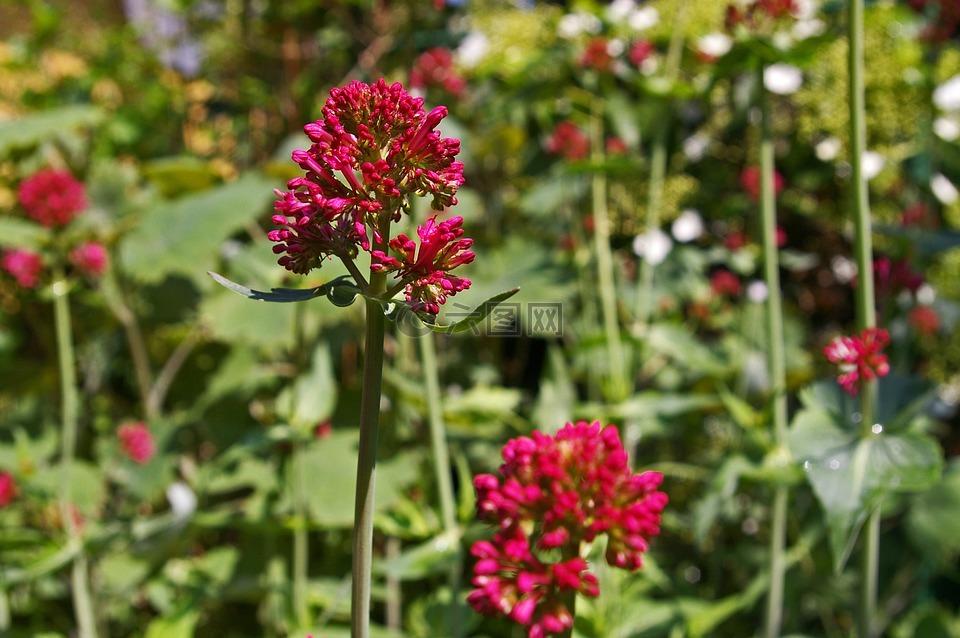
x: 374, y: 148
x: 596, y: 55
x: 724, y: 283
x: 890, y: 277
x: 569, y: 141
x: 859, y: 357
x: 640, y: 51
x: 8, y: 488
x: 557, y: 493
x: 23, y: 265
x: 52, y: 198
x: 943, y: 19
x: 759, y: 15
x: 750, y: 181
x: 137, y: 442
x: 89, y: 258
x: 427, y: 271
x: 434, y: 68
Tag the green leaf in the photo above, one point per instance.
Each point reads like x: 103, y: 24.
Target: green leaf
x: 20, y: 233
x: 680, y: 344
x: 313, y: 397
x: 851, y: 474
x: 434, y: 556
x: 184, y: 236
x: 36, y: 128
x: 934, y: 519
x: 276, y: 295
x: 403, y: 314
x: 180, y: 624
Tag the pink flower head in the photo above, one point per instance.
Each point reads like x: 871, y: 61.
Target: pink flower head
x: 137, y: 442
x: 859, y: 357
x: 373, y: 149
x: 8, y: 488
x: 434, y: 68
x: 924, y: 319
x: 890, y: 277
x: 568, y: 141
x: 90, y: 258
x: 750, y: 181
x: 24, y: 265
x: 52, y: 198
x: 557, y: 492
x: 425, y: 266
x: 640, y: 51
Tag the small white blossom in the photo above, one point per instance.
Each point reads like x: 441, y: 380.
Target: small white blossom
x: 757, y: 291
x: 644, y: 18
x: 620, y: 10
x: 695, y: 146
x: 782, y: 79
x: 946, y: 128
x: 183, y: 501
x: 947, y: 95
x: 827, y: 149
x: 473, y: 49
x: 926, y: 294
x: 653, y: 246
x: 943, y: 189
x: 574, y: 24
x: 688, y: 226
x: 715, y: 44
x: 844, y: 269
x: 871, y: 164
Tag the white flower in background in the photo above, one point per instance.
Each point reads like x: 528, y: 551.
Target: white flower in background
x: 653, y: 246
x: 782, y: 79
x: 574, y: 24
x: 183, y: 501
x: 757, y: 291
x: 805, y: 9
x: 943, y: 189
x: 947, y: 95
x: 615, y: 47
x: 827, y: 149
x: 871, y: 164
x: 946, y: 128
x: 695, y: 146
x: 644, y: 18
x: 844, y: 269
x: 926, y: 294
x: 473, y: 49
x: 620, y: 10
x: 803, y: 29
x: 715, y: 45
x: 688, y: 226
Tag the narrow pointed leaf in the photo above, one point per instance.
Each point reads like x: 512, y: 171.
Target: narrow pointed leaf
x: 276, y: 295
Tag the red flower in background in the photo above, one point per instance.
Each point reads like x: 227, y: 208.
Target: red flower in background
x: 52, y: 198
x: 597, y: 55
x: 435, y: 68
x: 558, y: 492
x: 24, y: 265
x: 859, y: 358
x: 640, y: 51
x: 569, y: 141
x: 750, y: 181
x: 924, y: 319
x: 137, y: 442
x: 724, y: 283
x: 8, y: 488
x: 90, y: 259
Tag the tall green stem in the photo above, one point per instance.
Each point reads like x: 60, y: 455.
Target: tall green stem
x: 300, y: 540
x: 441, y: 463
x: 70, y: 405
x: 658, y: 172
x: 866, y: 304
x: 367, y: 461
x: 776, y: 360
x: 618, y: 385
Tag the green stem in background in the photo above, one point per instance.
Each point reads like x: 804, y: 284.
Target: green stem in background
x: 776, y: 361
x: 866, y: 304
x: 70, y: 406
x: 658, y: 172
x: 300, y: 545
x: 441, y: 464
x: 618, y: 385
x: 367, y: 461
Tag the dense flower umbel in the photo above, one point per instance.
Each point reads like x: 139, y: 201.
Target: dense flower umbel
x: 52, y: 198
x: 554, y: 494
x: 373, y: 149
x: 137, y: 442
x: 25, y: 266
x: 90, y: 258
x: 859, y: 357
x: 426, y: 271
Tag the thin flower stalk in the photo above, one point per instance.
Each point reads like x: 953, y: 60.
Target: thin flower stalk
x: 865, y: 301
x: 776, y: 361
x: 80, y: 580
